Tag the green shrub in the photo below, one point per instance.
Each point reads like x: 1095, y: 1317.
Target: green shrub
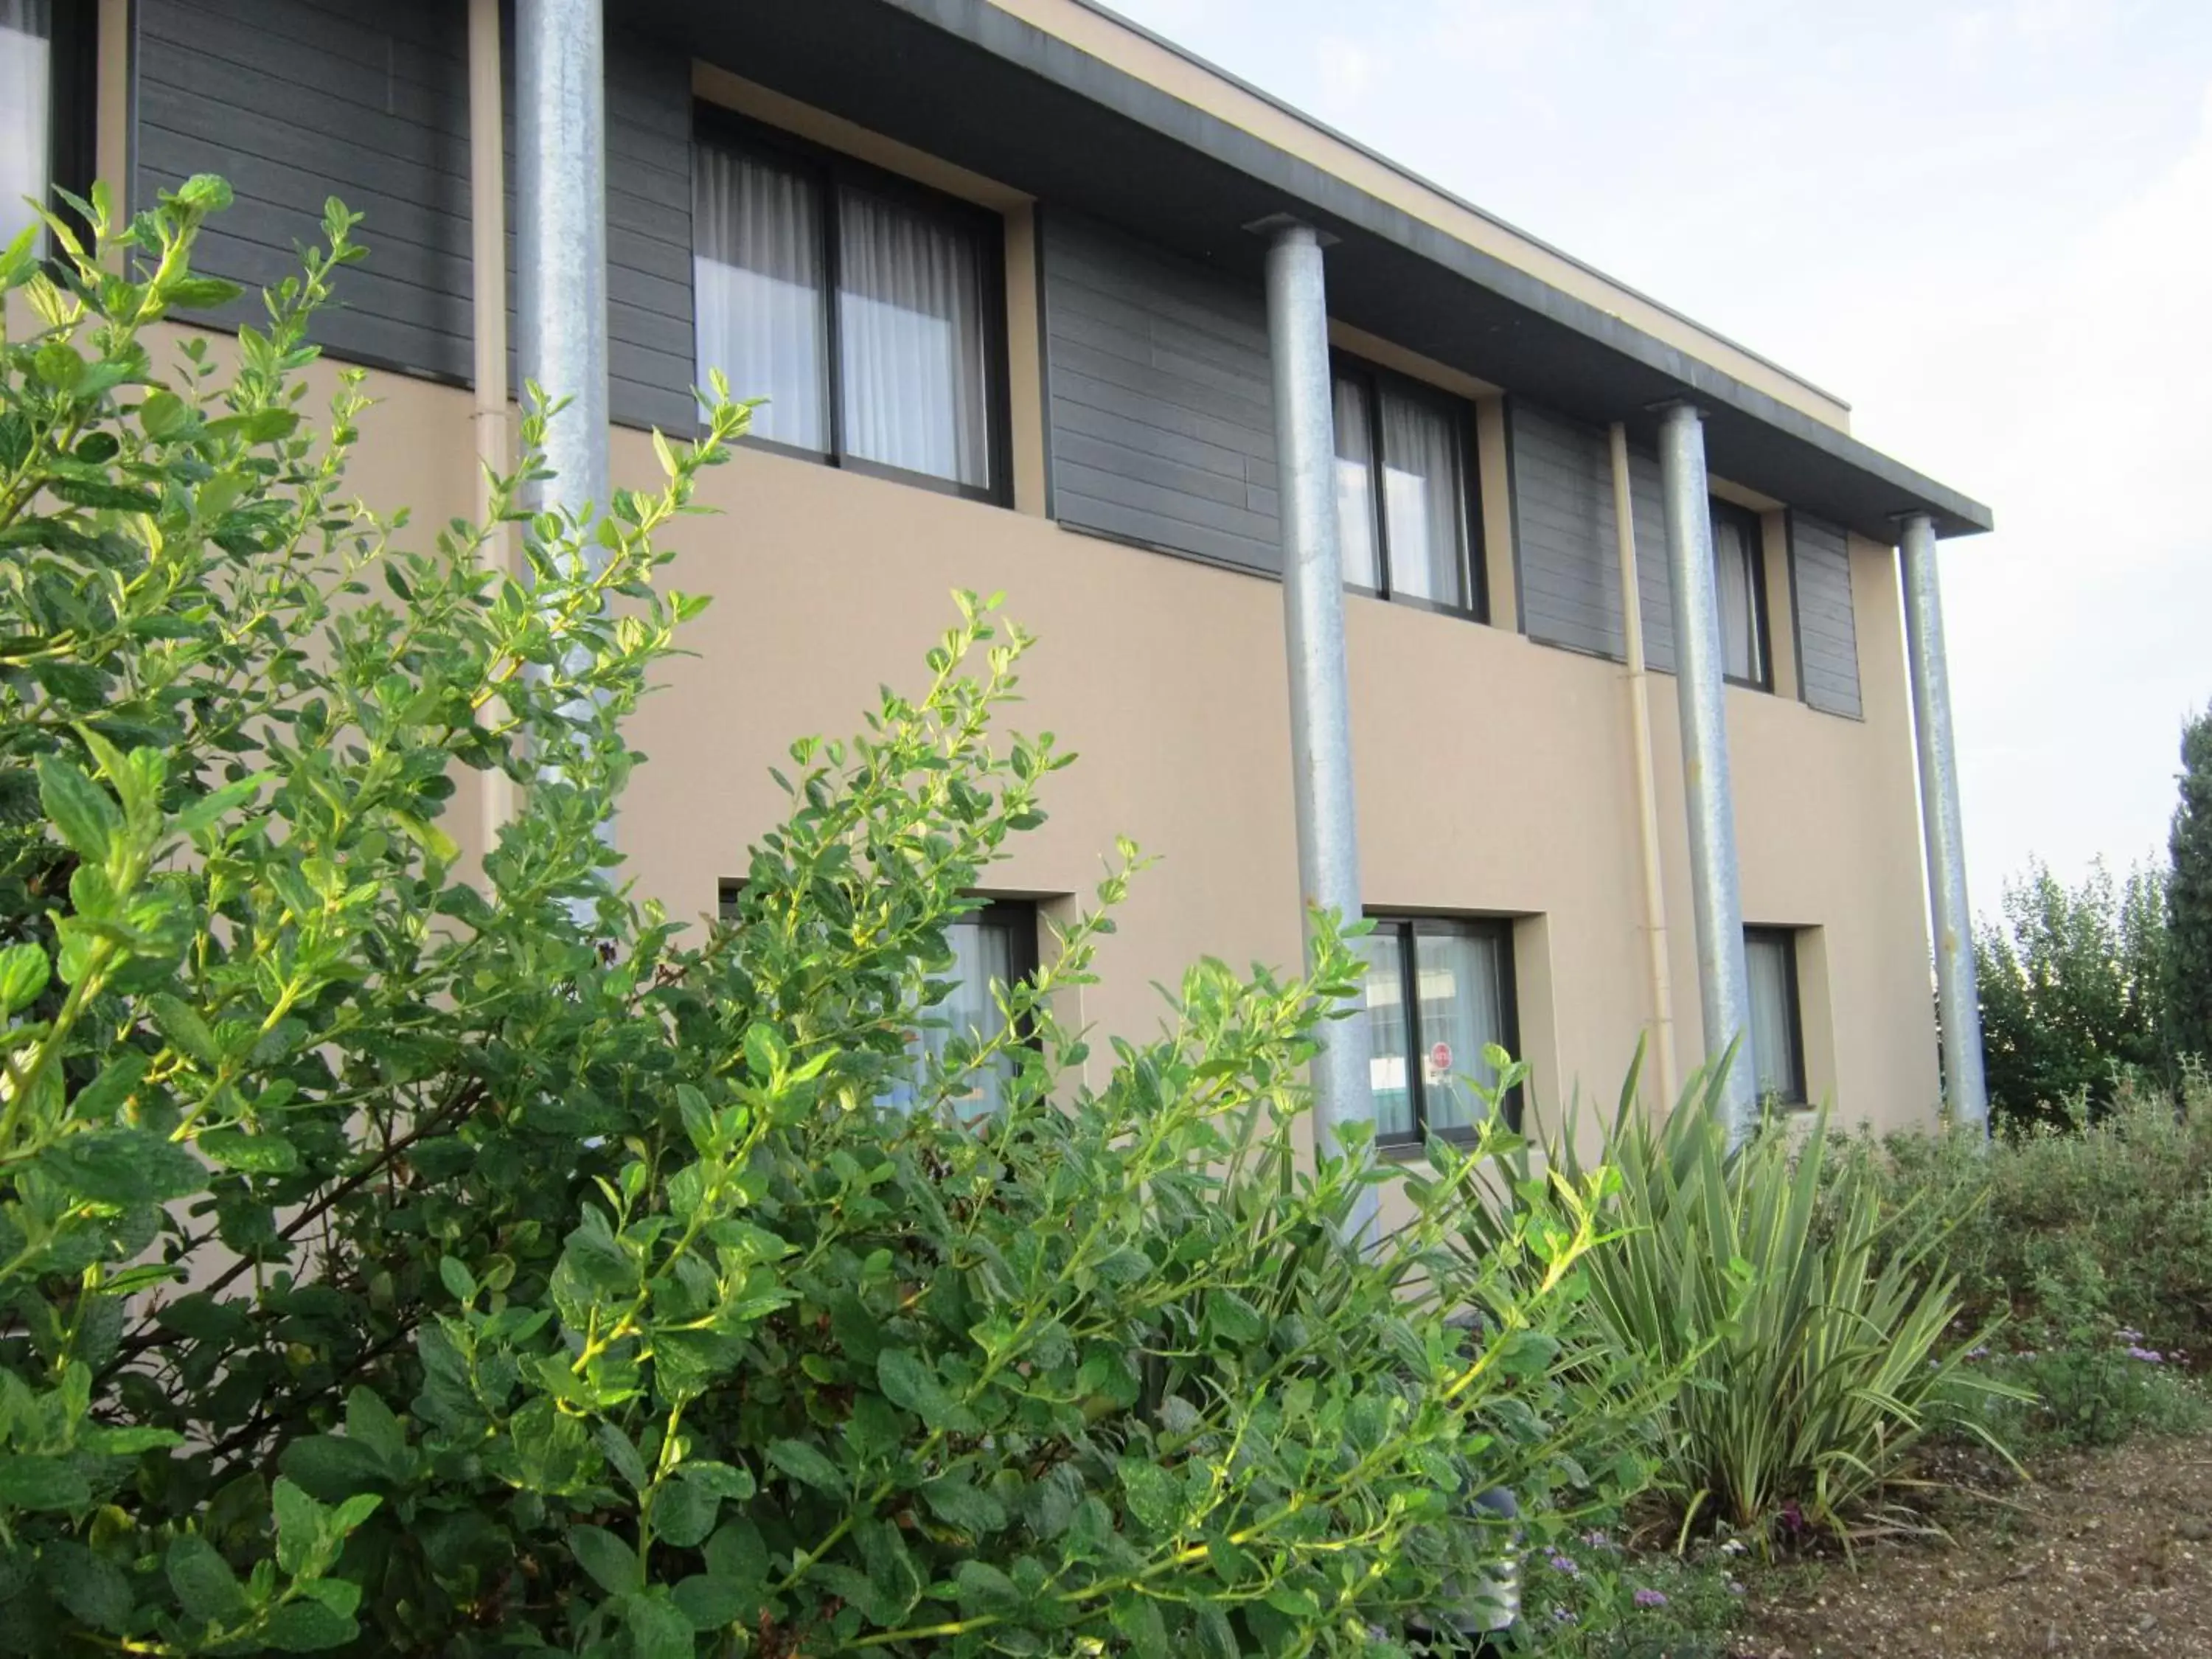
x: 1587, y: 1597
x: 1791, y: 1326
x: 403, y: 1258
x: 2105, y: 1220
x: 2072, y: 987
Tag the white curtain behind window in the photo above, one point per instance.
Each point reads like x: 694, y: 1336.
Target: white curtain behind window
x: 1355, y: 498
x: 1421, y: 495
x: 1463, y: 1009
x: 1387, y: 1071
x: 26, y: 30
x: 982, y: 956
x: 1732, y: 556
x: 910, y: 341
x: 762, y: 317
x: 1771, y: 1042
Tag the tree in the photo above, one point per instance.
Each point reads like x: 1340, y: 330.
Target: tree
x: 403, y: 1258
x: 2071, y: 982
x: 2189, y: 902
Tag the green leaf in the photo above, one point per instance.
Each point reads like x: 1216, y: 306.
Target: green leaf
x: 302, y: 1525
x: 684, y: 1512
x: 186, y: 1031
x: 200, y: 293
x: 711, y: 1602
x: 806, y: 1463
x: 1137, y: 1618
x: 162, y: 415
x: 307, y: 1626
x: 23, y: 974
x: 612, y: 1563
x: 206, y: 192
x: 88, y: 1585
x: 125, y: 1167
x: 455, y: 1275
x: 370, y: 1423
x: 657, y: 1630
x: 207, y: 1589
x: 983, y: 1589
x: 1155, y: 1499
x: 31, y: 1481
x: 86, y: 817
x: 908, y: 1381
x: 266, y: 1153
x: 968, y: 1507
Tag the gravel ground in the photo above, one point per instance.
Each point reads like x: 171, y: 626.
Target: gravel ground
x: 2108, y: 1554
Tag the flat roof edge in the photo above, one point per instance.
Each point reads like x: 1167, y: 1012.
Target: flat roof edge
x: 1017, y: 42
x: 1338, y: 135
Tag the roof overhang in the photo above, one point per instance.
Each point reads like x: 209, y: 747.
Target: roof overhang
x: 981, y: 87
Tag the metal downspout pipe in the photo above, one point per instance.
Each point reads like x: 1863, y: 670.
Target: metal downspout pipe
x: 1647, y: 791
x: 1313, y: 629
x: 487, y: 320
x: 1966, y: 1089
x: 560, y: 248
x: 1723, y: 979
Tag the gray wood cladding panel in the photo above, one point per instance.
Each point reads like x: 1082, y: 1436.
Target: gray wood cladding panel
x: 1161, y: 408
x: 296, y: 103
x: 1570, y: 548
x: 1563, y: 528
x: 1827, y: 627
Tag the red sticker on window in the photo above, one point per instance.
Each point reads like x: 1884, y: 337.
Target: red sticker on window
x: 1440, y: 1057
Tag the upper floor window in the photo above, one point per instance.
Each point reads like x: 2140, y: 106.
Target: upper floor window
x: 1774, y: 1047
x: 1439, y: 993
x: 1739, y: 570
x: 27, y: 89
x: 865, y: 308
x: 1402, y: 490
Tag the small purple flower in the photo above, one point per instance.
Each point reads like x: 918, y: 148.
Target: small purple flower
x: 1597, y: 1540
x: 1793, y: 1517
x: 1562, y: 1615
x: 1651, y: 1598
x: 1565, y: 1564
x: 2128, y: 1334
x: 1979, y: 1352
x: 2148, y: 1356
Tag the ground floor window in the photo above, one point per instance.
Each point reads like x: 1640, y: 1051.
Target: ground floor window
x: 1774, y: 1047
x: 1438, y: 992
x: 992, y: 948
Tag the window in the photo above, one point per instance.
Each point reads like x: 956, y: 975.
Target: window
x: 1402, y: 524
x: 1774, y: 1046
x: 994, y: 946
x: 1437, y: 992
x: 1739, y: 573
x: 866, y: 309
x: 46, y: 80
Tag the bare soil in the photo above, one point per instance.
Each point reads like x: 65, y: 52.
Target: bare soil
x: 2105, y: 1555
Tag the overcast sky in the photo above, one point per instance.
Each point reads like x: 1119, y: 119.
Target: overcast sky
x: 1986, y: 227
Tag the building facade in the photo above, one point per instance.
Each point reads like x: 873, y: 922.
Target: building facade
x: 1002, y: 270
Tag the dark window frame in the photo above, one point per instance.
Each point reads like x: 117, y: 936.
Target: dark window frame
x: 1786, y: 938
x: 1762, y: 633
x: 72, y: 110
x: 832, y: 172
x: 1474, y: 578
x: 1411, y: 927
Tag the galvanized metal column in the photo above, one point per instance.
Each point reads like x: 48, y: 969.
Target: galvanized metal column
x: 1700, y: 681
x: 1313, y: 629
x: 1966, y: 1090
x: 560, y: 236
x: 560, y: 258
